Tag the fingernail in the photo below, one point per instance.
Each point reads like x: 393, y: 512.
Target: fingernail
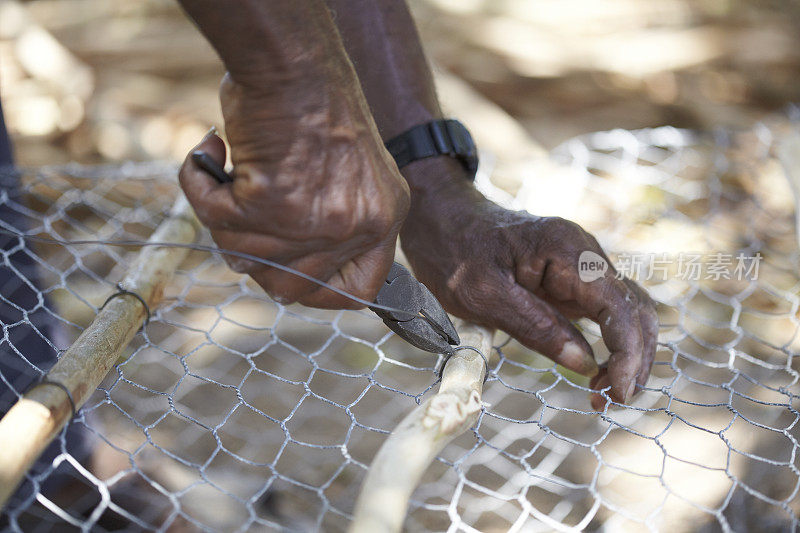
x: 590, y: 366
x: 597, y: 402
x: 211, y: 132
x: 631, y: 390
x: 587, y: 366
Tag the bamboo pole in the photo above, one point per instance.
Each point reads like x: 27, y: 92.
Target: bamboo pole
x: 30, y: 425
x: 400, y: 463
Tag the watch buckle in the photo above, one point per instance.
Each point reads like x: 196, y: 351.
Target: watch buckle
x: 461, y: 139
x: 442, y: 138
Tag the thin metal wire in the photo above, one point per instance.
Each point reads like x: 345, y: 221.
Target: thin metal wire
x: 232, y: 411
x: 122, y: 292
x: 45, y: 381
x: 458, y: 348
x: 211, y: 249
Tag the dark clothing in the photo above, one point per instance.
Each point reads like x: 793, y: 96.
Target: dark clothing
x: 24, y: 352
x: 27, y: 345
x: 5, y: 143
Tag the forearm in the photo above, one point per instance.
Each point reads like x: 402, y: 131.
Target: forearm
x: 383, y: 44
x: 271, y: 42
x: 287, y: 56
x: 382, y: 41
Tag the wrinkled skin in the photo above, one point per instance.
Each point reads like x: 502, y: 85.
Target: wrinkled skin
x: 313, y: 189
x: 518, y: 273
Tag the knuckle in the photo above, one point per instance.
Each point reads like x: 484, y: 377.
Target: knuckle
x: 257, y: 188
x: 648, y: 306
x: 630, y: 299
x: 540, y: 327
x: 208, y: 215
x: 342, y: 222
x: 381, y: 229
x: 475, y: 296
x: 279, y: 292
x: 570, y: 235
x: 240, y: 265
x: 560, y: 224
x: 650, y: 318
x: 282, y: 297
x: 383, y: 220
x: 388, y: 216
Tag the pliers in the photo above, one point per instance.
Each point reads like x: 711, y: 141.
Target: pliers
x: 418, y: 317
x: 422, y: 322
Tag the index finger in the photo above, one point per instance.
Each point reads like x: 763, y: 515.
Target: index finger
x: 615, y: 308
x: 212, y: 202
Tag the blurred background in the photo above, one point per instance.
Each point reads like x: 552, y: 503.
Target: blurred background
x: 108, y: 80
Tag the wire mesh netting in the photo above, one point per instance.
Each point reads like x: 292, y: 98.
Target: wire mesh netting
x: 232, y: 412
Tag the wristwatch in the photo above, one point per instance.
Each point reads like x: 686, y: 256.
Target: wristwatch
x: 438, y: 137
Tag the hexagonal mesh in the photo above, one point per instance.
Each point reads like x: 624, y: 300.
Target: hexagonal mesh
x: 230, y: 411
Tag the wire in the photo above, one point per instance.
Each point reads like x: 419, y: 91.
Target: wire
x: 213, y: 250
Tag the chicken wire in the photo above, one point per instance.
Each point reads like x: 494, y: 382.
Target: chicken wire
x: 230, y: 411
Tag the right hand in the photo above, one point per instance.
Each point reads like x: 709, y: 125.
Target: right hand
x: 313, y: 189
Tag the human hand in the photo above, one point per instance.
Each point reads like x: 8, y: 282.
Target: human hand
x: 519, y: 273
x: 313, y: 190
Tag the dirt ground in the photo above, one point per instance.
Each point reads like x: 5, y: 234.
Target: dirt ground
x: 127, y: 80
x: 231, y: 411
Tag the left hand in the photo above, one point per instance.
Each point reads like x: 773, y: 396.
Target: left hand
x: 519, y: 273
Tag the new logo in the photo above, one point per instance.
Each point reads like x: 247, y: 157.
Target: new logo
x: 591, y: 266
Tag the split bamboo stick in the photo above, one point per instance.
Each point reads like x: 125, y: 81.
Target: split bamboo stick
x: 33, y: 422
x: 402, y: 460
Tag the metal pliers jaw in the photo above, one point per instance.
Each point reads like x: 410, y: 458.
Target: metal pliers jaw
x: 423, y: 322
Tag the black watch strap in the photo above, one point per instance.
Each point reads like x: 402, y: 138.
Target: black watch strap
x: 438, y: 137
